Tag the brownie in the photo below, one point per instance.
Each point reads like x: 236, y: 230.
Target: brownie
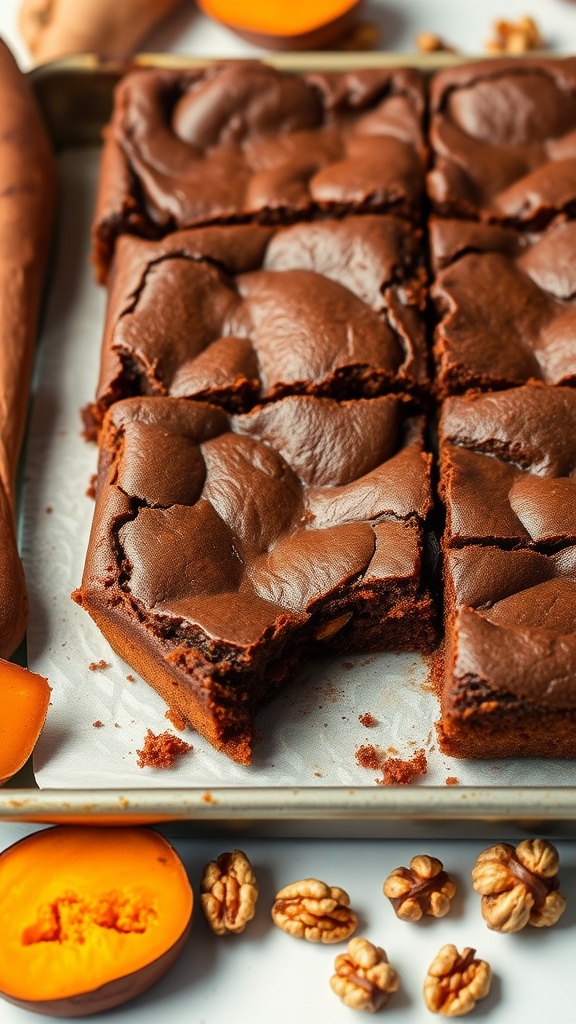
x: 510, y: 683
x: 508, y: 467
x: 243, y: 314
x: 240, y: 140
x: 225, y: 548
x: 506, y: 305
x: 503, y: 139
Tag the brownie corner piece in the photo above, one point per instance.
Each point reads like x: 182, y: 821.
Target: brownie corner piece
x: 224, y: 548
x: 502, y: 140
x: 240, y: 140
x: 510, y: 674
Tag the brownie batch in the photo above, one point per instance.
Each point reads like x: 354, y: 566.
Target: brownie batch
x: 268, y: 390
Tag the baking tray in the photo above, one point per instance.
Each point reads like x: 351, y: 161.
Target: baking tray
x: 75, y: 95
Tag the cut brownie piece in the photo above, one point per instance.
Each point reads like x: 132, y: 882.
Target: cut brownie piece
x: 241, y: 140
x: 506, y: 303
x: 508, y: 467
x: 243, y: 314
x: 510, y: 686
x: 224, y: 548
x: 503, y: 137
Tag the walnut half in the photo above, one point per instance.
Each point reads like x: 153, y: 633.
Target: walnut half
x: 519, y: 886
x: 456, y: 981
x: 423, y: 888
x: 311, y: 910
x: 228, y: 893
x: 364, y: 979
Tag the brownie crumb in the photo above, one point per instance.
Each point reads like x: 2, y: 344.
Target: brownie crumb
x: 130, y: 678
x: 367, y: 720
x: 49, y: 510
x: 178, y: 720
x: 160, y: 751
x: 96, y: 666
x: 396, y: 772
x: 452, y: 781
x: 91, y: 489
x: 368, y: 756
x: 98, y: 724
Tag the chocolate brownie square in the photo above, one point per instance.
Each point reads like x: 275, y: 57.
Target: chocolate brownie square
x: 508, y: 468
x: 244, y: 314
x: 241, y: 141
x: 506, y: 305
x: 224, y: 548
x: 510, y: 683
x: 503, y: 137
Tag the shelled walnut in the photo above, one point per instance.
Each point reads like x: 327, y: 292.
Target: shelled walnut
x: 514, y: 37
x: 456, y: 981
x: 364, y: 979
x: 519, y: 886
x: 228, y: 893
x: 311, y: 910
x: 423, y: 888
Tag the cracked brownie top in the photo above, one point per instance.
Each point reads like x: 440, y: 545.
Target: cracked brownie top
x: 241, y: 140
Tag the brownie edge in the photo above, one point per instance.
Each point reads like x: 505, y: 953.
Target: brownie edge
x: 226, y: 548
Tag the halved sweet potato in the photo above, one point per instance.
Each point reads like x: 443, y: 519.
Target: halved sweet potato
x: 89, y: 917
x: 298, y: 25
x: 24, y: 699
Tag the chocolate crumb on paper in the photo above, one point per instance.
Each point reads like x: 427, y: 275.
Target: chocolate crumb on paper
x: 97, y: 666
x: 452, y: 781
x: 161, y: 750
x: 397, y: 772
x: 98, y: 724
x: 367, y: 720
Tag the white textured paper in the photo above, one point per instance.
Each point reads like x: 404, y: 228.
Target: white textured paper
x: 310, y: 735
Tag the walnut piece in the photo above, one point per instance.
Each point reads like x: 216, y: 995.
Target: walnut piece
x: 515, y: 37
x: 519, y: 886
x: 455, y: 982
x: 314, y: 911
x: 423, y: 888
x: 228, y: 893
x: 429, y: 42
x: 364, y: 979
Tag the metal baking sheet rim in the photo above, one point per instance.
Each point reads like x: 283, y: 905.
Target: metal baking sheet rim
x: 337, y: 811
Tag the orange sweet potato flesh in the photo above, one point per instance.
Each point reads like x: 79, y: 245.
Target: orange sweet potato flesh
x: 27, y: 187
x: 54, y: 28
x: 89, y: 917
x: 24, y: 699
x: 277, y: 24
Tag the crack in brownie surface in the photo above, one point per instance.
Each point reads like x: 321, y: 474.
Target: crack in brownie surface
x: 224, y: 548
x: 240, y: 140
x: 243, y: 314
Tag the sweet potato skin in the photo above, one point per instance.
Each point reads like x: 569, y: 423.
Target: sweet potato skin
x: 27, y: 192
x: 114, y: 28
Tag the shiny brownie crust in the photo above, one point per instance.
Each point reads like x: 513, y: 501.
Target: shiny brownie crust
x: 307, y: 519
x: 510, y: 653
x: 505, y: 302
x: 503, y: 139
x: 244, y: 314
x: 242, y: 141
x: 508, y: 468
